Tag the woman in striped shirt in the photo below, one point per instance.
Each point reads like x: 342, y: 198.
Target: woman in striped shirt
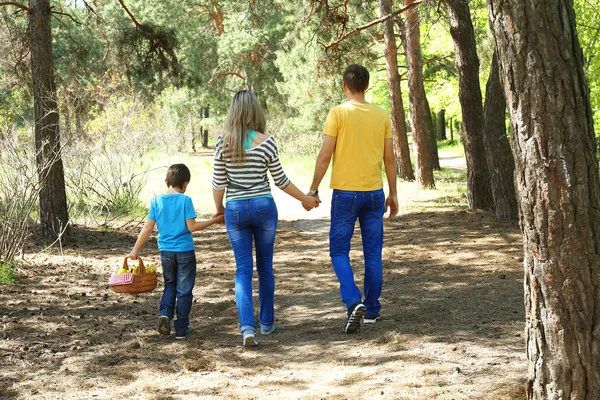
x: 242, y: 157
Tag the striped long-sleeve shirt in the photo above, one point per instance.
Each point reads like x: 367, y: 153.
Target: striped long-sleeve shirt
x: 249, y: 179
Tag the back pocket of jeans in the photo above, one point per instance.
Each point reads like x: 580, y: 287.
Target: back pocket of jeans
x: 268, y: 216
x: 344, y: 207
x: 232, y: 219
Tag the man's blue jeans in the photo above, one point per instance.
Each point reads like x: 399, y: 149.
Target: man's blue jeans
x: 248, y: 221
x: 179, y: 271
x: 368, y: 208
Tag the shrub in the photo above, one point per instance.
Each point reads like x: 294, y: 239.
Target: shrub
x: 19, y: 193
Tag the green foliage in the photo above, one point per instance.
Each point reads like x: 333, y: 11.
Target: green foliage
x: 7, y: 272
x: 149, y: 51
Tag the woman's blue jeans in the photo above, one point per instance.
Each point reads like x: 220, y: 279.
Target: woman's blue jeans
x: 368, y: 208
x: 179, y: 271
x: 248, y: 221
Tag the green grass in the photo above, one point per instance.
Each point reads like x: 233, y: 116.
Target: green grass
x: 454, y: 146
x: 7, y: 272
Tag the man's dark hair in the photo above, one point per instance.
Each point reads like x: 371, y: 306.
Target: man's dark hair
x: 177, y: 175
x: 356, y: 78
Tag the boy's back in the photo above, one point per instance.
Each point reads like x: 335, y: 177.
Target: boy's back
x: 361, y: 130
x: 170, y: 211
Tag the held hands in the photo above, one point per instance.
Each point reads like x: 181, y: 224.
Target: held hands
x: 311, y: 201
x: 218, y: 218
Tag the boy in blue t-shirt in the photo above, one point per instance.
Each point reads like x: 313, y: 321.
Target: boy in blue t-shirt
x: 174, y: 216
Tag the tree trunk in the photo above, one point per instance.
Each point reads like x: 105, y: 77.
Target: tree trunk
x: 499, y: 157
x: 435, y: 157
x: 441, y: 125
x: 398, y: 117
x: 205, y: 138
x: 193, y: 129
x: 421, y: 121
x: 54, y: 218
x: 558, y: 191
x: 479, y: 191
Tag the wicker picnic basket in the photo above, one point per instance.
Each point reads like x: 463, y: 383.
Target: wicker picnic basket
x: 142, y: 281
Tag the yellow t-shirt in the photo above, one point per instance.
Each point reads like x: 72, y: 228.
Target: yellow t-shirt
x: 361, y: 130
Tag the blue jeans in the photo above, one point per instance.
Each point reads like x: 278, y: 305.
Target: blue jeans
x: 368, y: 207
x: 248, y: 221
x: 179, y: 271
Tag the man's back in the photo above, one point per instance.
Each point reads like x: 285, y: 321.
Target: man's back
x: 361, y: 130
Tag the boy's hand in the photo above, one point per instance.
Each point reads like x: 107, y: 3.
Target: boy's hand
x: 133, y: 256
x: 219, y: 218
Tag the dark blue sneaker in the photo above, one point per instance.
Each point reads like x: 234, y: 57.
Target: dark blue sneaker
x: 164, y: 325
x: 184, y: 335
x: 355, y: 316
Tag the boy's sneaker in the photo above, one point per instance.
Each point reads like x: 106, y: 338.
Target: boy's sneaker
x: 164, y: 325
x: 249, y: 338
x: 371, y: 320
x: 355, y: 315
x: 186, y: 334
x: 267, y: 330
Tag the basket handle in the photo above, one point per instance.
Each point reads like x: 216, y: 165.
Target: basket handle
x: 142, y: 267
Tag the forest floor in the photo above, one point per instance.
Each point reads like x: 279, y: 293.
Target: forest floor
x: 451, y: 328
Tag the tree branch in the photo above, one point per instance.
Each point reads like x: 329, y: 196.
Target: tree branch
x: 14, y: 3
x: 370, y: 24
x: 222, y: 74
x: 67, y: 15
x: 129, y: 13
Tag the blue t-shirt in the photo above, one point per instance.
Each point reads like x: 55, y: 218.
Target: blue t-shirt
x: 170, y: 211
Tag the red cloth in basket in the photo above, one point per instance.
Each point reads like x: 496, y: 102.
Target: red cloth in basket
x: 120, y: 279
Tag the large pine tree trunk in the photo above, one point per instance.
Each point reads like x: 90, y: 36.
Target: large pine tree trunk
x: 556, y: 172
x: 398, y: 117
x: 435, y: 156
x: 421, y: 121
x: 499, y: 157
x: 479, y: 191
x: 54, y: 217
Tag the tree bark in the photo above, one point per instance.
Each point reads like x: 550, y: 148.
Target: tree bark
x: 401, y: 149
x: 479, y: 191
x: 499, y: 157
x: 54, y: 218
x: 420, y: 120
x: 441, y: 125
x: 433, y: 149
x: 558, y: 192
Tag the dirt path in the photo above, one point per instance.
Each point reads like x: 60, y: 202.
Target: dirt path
x: 451, y: 327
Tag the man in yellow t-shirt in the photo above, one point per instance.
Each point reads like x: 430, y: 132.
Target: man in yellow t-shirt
x: 358, y: 135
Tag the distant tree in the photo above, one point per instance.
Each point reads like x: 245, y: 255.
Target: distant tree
x: 401, y: 148
x: 479, y: 192
x: 419, y: 107
x: 558, y: 191
x: 500, y: 160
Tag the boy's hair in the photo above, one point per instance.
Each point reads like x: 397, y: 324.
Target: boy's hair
x: 177, y: 175
x: 356, y: 78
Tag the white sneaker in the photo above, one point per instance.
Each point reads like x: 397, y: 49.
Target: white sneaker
x: 249, y: 338
x: 371, y: 320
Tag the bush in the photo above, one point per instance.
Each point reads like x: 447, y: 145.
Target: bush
x: 19, y: 193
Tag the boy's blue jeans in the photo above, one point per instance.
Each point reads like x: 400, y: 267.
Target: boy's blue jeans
x: 368, y: 208
x: 179, y: 271
x: 248, y: 221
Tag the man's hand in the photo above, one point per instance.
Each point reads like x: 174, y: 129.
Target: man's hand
x: 392, y: 203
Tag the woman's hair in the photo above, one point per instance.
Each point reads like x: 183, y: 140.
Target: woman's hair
x: 178, y: 175
x: 245, y: 113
